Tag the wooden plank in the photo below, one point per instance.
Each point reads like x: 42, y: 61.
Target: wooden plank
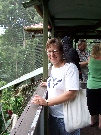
x: 29, y: 114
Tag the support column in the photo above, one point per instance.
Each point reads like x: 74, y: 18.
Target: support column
x: 52, y: 31
x: 45, y: 58
x: 45, y: 38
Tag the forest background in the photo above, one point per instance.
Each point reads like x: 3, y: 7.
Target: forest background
x: 19, y: 52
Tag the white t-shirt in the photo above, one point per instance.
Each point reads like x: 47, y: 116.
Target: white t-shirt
x: 66, y: 77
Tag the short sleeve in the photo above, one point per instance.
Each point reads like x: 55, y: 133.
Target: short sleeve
x: 72, y: 77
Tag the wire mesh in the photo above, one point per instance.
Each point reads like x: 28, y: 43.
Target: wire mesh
x: 20, y: 53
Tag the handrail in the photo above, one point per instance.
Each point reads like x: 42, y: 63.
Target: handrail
x: 25, y: 77
x: 31, y: 111
x: 28, y: 121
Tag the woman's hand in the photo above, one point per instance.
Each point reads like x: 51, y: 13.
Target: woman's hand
x: 39, y: 100
x: 43, y: 84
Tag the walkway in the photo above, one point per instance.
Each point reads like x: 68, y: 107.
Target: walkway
x: 91, y: 130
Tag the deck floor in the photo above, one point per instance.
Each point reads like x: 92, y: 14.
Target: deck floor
x: 91, y: 130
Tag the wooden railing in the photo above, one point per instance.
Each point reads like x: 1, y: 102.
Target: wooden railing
x: 31, y: 122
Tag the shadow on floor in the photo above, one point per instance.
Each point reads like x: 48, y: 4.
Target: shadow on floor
x: 91, y: 130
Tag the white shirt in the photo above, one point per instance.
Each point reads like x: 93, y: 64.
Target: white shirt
x: 66, y: 77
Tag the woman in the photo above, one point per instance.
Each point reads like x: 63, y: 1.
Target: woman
x: 94, y: 84
x: 63, y: 76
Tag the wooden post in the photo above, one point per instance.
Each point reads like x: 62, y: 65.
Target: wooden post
x: 45, y: 38
x: 45, y: 58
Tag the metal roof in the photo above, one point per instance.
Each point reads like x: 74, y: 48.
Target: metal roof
x: 72, y: 17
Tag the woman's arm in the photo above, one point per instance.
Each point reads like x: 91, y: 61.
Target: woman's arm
x: 43, y: 84
x: 89, y: 59
x: 84, y: 63
x: 71, y: 86
x: 68, y: 95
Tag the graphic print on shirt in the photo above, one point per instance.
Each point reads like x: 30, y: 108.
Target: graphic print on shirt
x: 54, y: 80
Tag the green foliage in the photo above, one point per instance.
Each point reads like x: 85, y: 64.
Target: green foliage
x: 10, y: 101
x: 13, y: 14
x: 1, y: 123
x: 17, y: 51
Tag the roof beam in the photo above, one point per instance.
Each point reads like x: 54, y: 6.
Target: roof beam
x: 82, y: 27
x: 98, y: 25
x: 39, y: 10
x: 76, y: 19
x: 88, y: 36
x: 30, y: 3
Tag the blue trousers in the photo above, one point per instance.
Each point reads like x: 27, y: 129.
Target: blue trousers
x: 57, y: 127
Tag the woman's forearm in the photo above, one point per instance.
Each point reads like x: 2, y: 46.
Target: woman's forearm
x: 68, y: 95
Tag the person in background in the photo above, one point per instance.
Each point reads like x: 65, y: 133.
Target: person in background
x: 63, y: 76
x: 94, y: 84
x: 83, y: 55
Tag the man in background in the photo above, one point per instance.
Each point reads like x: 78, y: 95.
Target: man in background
x: 83, y: 55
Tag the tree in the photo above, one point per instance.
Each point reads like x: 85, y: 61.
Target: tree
x: 15, y: 42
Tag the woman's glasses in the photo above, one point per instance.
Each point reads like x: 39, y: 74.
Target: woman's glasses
x: 53, y: 51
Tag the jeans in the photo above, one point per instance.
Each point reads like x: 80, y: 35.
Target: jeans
x: 57, y: 127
